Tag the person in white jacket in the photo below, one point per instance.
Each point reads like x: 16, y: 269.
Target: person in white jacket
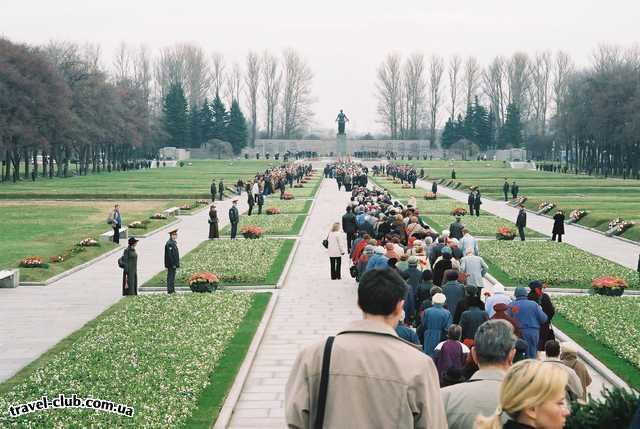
x: 337, y: 247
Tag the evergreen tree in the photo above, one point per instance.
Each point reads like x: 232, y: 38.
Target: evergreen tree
x: 195, y: 127
x: 491, y: 120
x: 176, y: 116
x: 206, y: 121
x: 480, y: 125
x: 511, y: 132
x: 467, y: 129
x: 220, y: 119
x: 237, y: 130
x: 459, y: 128
x: 448, y: 134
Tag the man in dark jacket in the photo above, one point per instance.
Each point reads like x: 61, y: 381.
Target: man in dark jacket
x: 477, y: 201
x: 455, y: 229
x: 413, y: 276
x: 349, y: 226
x: 214, y: 190
x: 505, y: 189
x: 521, y: 222
x: 234, y: 218
x: 514, y: 190
x: 434, y: 187
x: 471, y: 201
x: 171, y: 260
x: 221, y: 190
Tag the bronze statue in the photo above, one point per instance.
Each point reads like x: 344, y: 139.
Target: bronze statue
x: 341, y: 119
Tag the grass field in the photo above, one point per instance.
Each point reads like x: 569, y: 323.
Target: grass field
x: 171, y: 358
x: 170, y: 182
x: 236, y: 262
x: 51, y: 228
x: 604, y: 199
x: 281, y: 224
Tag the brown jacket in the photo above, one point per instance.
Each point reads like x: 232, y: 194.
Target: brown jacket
x: 570, y: 359
x: 376, y: 380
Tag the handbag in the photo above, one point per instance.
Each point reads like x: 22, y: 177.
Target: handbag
x: 353, y: 270
x: 324, y: 383
x: 325, y: 242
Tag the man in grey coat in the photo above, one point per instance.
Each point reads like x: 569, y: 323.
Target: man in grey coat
x: 493, y: 352
x: 469, y: 242
x: 475, y: 268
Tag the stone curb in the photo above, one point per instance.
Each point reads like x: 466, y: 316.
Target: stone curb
x: 224, y: 417
x: 587, y: 357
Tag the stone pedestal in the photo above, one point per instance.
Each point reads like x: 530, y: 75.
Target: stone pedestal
x: 341, y: 145
x: 9, y: 278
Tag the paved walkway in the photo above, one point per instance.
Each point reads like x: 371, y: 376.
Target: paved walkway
x: 35, y: 318
x: 612, y: 249
x: 310, y: 307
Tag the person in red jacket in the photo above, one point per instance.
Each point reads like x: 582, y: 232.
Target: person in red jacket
x: 501, y: 313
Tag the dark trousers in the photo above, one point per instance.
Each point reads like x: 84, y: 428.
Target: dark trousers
x: 521, y: 232
x: 350, y: 237
x: 221, y: 196
x: 470, y: 210
x: 116, y: 233
x: 259, y: 208
x: 505, y: 197
x: 477, y: 211
x: 171, y: 280
x: 553, y: 237
x: 213, y: 197
x: 336, y: 264
x: 234, y: 230
x: 339, y: 185
x: 250, y: 209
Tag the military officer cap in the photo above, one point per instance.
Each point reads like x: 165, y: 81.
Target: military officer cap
x: 175, y: 231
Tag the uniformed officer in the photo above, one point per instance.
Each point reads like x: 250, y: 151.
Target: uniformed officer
x: 171, y: 260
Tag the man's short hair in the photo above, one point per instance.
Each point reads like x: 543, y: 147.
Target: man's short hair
x: 451, y: 275
x: 454, y: 332
x: 552, y: 348
x: 380, y: 291
x: 465, y: 231
x: 493, y: 342
x: 349, y: 209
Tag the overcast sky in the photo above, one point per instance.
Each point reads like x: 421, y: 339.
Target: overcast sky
x: 343, y: 41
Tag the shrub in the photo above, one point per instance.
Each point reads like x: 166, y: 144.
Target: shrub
x: 614, y: 410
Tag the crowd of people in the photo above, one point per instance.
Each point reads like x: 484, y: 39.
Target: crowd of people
x: 465, y: 355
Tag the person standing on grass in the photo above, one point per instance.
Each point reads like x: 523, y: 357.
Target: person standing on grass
x: 558, y: 226
x: 250, y: 199
x: 260, y: 202
x: 477, y: 201
x: 521, y: 221
x: 336, y: 249
x: 234, y: 218
x: 213, y: 189
x: 130, y: 269
x: 221, y: 190
x: 514, y: 190
x: 505, y: 189
x: 116, y: 223
x: 213, y: 223
x: 471, y: 202
x: 171, y: 260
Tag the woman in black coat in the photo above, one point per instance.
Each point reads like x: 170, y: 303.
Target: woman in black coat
x: 537, y: 294
x: 130, y: 269
x: 213, y: 223
x: 558, y: 226
x: 250, y: 199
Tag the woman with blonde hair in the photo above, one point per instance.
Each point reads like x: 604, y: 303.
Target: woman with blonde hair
x: 336, y: 246
x: 532, y: 396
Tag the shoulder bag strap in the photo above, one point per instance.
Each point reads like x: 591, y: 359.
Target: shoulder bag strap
x: 324, y: 383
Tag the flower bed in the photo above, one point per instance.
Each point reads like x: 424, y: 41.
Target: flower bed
x: 298, y: 185
x: 203, y: 282
x: 234, y: 262
x: 139, y: 224
x: 158, y: 216
x: 291, y: 206
x: 545, y: 207
x: 576, y: 215
x: 430, y: 196
x: 57, y: 259
x: 252, y: 232
x: 611, y: 286
x: 88, y: 242
x: 273, y: 211
x: 287, y: 196
x: 613, y: 322
x: 485, y: 225
x: 617, y: 226
x: 32, y: 262
x: 505, y: 233
x: 458, y: 211
x: 155, y: 353
x: 283, y: 224
x: 552, y: 263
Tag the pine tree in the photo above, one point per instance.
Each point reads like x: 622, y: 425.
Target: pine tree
x: 448, y: 134
x: 237, y: 130
x: 511, y: 132
x: 220, y: 119
x: 459, y: 128
x: 467, y: 130
x: 195, y: 127
x: 480, y: 124
x: 206, y: 121
x: 176, y: 116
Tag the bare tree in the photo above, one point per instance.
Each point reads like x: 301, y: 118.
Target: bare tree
x: 472, y: 79
x: 252, y: 84
x: 271, y: 85
x: 217, y: 72
x: 142, y: 73
x: 414, y: 93
x: 388, y: 93
x: 197, y: 74
x: 540, y: 71
x: 519, y: 81
x: 436, y: 70
x: 122, y: 63
x: 234, y: 83
x: 493, y: 79
x: 170, y: 69
x: 562, y: 69
x: 455, y: 64
x: 296, y: 97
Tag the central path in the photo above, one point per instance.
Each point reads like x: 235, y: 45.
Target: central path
x: 310, y: 307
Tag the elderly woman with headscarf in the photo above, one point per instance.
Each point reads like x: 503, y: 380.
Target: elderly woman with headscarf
x: 436, y: 320
x: 537, y: 294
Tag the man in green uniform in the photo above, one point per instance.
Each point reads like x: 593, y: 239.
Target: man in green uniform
x: 505, y: 189
x: 171, y: 260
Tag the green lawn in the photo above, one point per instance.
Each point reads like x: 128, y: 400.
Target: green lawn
x: 606, y: 326
x: 170, y: 182
x: 288, y: 206
x: 281, y: 224
x: 604, y: 199
x: 517, y: 262
x: 235, y: 262
x: 484, y: 226
x: 172, y: 358
x: 51, y: 228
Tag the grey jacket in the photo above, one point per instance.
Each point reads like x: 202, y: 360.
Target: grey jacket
x: 474, y: 266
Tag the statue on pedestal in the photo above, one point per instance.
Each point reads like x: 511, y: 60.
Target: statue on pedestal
x: 341, y: 119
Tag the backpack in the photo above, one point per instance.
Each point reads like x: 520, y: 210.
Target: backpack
x: 122, y: 261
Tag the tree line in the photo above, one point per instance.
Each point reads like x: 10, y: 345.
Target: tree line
x: 60, y: 106
x: 584, y: 118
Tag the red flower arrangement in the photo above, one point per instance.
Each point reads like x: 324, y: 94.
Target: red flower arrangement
x: 609, y: 285
x: 298, y: 185
x: 430, y: 196
x: 505, y: 233
x: 203, y: 282
x: 287, y: 196
x: 273, y: 211
x: 459, y: 212
x: 56, y: 259
x: 31, y: 262
x: 252, y: 232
